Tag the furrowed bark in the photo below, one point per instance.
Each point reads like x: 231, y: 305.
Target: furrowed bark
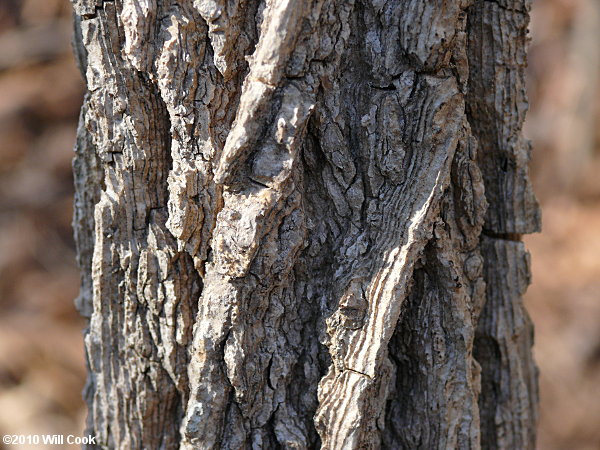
x: 291, y: 239
x: 497, y: 106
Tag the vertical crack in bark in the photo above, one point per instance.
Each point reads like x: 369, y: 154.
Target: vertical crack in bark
x: 88, y: 185
x: 437, y: 383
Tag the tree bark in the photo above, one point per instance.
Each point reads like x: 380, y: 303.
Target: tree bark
x: 299, y: 221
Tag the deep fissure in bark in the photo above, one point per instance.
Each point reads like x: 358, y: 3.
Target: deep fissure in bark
x: 299, y: 223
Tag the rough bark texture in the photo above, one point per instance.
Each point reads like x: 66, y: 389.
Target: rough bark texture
x: 298, y: 223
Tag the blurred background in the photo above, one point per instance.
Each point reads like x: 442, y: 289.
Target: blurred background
x: 41, y: 354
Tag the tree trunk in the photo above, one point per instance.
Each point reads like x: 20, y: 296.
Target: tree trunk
x: 299, y: 221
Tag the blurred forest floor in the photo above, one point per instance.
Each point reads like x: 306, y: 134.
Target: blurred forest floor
x: 564, y: 300
x: 42, y: 368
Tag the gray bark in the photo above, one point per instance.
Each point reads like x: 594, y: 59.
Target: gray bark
x: 298, y: 224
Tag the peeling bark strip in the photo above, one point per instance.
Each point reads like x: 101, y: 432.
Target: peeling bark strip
x: 282, y: 222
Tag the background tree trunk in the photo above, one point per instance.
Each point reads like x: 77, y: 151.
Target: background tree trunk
x: 282, y: 226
